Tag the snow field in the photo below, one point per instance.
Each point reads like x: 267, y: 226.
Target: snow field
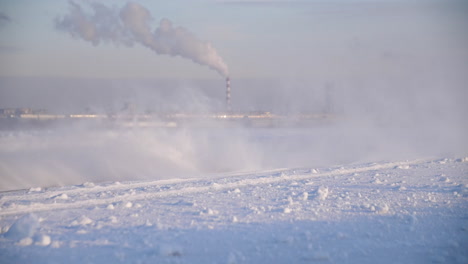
x: 394, y: 212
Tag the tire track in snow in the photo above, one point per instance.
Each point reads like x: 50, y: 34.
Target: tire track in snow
x: 209, y: 184
x: 118, y: 186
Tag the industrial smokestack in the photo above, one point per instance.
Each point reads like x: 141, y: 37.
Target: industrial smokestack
x: 228, y: 94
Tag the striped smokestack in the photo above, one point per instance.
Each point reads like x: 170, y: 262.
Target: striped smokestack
x: 228, y: 94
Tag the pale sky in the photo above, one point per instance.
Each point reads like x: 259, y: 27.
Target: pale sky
x: 256, y: 39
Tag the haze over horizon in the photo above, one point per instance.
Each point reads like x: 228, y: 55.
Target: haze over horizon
x: 289, y: 50
x: 393, y: 72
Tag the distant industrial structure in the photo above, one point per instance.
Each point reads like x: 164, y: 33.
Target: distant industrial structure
x: 129, y: 116
x: 13, y: 112
x: 20, y: 118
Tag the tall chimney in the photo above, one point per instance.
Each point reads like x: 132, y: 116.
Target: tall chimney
x: 228, y: 94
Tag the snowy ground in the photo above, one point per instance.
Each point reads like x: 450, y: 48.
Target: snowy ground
x: 388, y: 212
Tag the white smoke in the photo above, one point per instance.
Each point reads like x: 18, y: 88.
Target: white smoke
x: 132, y: 24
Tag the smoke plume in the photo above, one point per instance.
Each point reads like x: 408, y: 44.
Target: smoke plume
x: 132, y: 24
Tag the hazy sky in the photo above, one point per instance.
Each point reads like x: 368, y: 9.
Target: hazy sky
x: 256, y: 39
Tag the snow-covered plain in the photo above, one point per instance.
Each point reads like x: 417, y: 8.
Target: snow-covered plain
x: 412, y: 211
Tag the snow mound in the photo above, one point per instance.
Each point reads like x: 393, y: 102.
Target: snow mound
x: 82, y: 221
x: 35, y: 189
x: 88, y: 185
x: 27, y: 241
x: 24, y: 227
x: 322, y: 193
x: 62, y: 196
x: 42, y: 240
